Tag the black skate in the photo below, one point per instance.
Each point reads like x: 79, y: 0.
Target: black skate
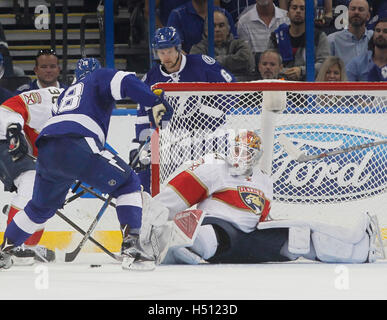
x: 134, y: 258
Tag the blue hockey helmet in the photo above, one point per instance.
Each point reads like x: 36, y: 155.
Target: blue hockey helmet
x: 1, y: 66
x: 164, y: 38
x: 86, y: 66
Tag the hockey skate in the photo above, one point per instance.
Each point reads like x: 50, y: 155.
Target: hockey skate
x: 376, y: 250
x: 23, y: 256
x: 43, y: 254
x: 6, y: 259
x: 134, y: 258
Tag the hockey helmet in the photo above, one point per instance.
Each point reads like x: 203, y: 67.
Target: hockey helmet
x: 164, y: 38
x: 244, y: 152
x: 86, y: 66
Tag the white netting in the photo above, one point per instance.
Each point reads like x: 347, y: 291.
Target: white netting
x: 316, y: 121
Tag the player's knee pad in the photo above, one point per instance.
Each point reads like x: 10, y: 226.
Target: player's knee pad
x: 38, y: 214
x: 206, y: 242
x: 131, y: 184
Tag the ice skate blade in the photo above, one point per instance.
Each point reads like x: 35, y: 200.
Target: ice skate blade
x: 23, y: 261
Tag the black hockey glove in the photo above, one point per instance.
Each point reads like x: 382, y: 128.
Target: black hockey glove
x: 17, y: 144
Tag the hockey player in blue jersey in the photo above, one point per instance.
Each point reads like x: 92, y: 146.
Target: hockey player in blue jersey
x: 71, y: 147
x: 173, y: 66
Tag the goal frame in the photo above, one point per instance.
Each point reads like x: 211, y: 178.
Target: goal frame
x: 265, y: 85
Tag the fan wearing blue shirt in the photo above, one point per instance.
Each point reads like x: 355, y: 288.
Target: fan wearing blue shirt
x: 188, y: 20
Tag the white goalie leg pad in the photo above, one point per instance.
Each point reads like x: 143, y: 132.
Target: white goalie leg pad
x: 346, y: 243
x: 203, y: 248
x: 154, y: 214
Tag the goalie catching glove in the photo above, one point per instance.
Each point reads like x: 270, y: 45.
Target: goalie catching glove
x: 161, y: 111
x: 17, y: 144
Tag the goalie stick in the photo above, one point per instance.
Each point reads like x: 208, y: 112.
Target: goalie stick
x: 300, y: 156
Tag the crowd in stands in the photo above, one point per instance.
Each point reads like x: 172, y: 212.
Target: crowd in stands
x: 350, y: 36
x: 353, y: 31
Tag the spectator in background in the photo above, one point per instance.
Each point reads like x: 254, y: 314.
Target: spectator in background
x: 163, y: 9
x: 372, y: 66
x: 332, y: 70
x: 352, y: 42
x: 236, y: 7
x: 5, y: 94
x: 47, y: 72
x: 290, y: 41
x: 377, y: 7
x: 9, y: 69
x: 188, y: 20
x: 258, y: 23
x: 233, y: 54
x: 270, y: 65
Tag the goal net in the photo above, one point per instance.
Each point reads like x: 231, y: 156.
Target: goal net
x: 315, y: 117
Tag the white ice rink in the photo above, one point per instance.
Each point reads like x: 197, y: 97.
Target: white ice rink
x: 295, y: 280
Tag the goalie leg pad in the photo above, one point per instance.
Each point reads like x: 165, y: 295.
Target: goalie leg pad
x: 330, y: 249
x: 349, y: 243
x: 206, y: 242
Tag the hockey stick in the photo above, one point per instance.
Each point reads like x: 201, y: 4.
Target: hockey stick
x: 99, y: 245
x: 300, y: 156
x: 70, y: 256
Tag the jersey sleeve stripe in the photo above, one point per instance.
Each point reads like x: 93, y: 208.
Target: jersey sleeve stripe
x: 230, y: 197
x: 193, y: 194
x: 115, y: 84
x: 17, y: 104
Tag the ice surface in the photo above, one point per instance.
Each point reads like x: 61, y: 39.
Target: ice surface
x: 294, y: 280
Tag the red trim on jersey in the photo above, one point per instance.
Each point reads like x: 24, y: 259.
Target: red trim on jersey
x: 189, y: 187
x: 265, y: 211
x: 31, y: 136
x: 18, y: 105
x: 231, y: 197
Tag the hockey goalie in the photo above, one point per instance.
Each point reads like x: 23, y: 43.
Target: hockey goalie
x: 231, y: 222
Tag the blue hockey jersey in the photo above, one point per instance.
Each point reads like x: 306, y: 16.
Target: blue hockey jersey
x: 194, y: 68
x: 85, y: 108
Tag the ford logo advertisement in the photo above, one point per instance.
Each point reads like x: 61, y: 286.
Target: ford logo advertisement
x: 343, y: 177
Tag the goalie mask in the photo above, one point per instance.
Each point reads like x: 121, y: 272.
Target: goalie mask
x: 244, y: 153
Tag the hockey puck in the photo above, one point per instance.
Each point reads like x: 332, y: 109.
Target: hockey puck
x: 95, y: 265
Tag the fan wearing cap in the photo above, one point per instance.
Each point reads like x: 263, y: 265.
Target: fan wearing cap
x: 172, y: 66
x: 47, y: 71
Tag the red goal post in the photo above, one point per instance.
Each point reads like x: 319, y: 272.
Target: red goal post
x: 316, y: 116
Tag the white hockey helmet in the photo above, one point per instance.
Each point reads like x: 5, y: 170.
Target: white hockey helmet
x: 244, y: 152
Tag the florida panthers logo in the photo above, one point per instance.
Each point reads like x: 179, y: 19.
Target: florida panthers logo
x: 253, y: 198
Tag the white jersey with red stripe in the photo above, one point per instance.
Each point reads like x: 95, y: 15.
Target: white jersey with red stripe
x: 31, y: 109
x: 241, y: 200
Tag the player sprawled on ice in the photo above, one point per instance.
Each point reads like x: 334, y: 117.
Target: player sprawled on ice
x: 71, y: 147
x: 234, y: 197
x: 21, y: 119
x: 174, y: 66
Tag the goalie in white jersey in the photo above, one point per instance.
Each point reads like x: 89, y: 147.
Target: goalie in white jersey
x: 235, y: 197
